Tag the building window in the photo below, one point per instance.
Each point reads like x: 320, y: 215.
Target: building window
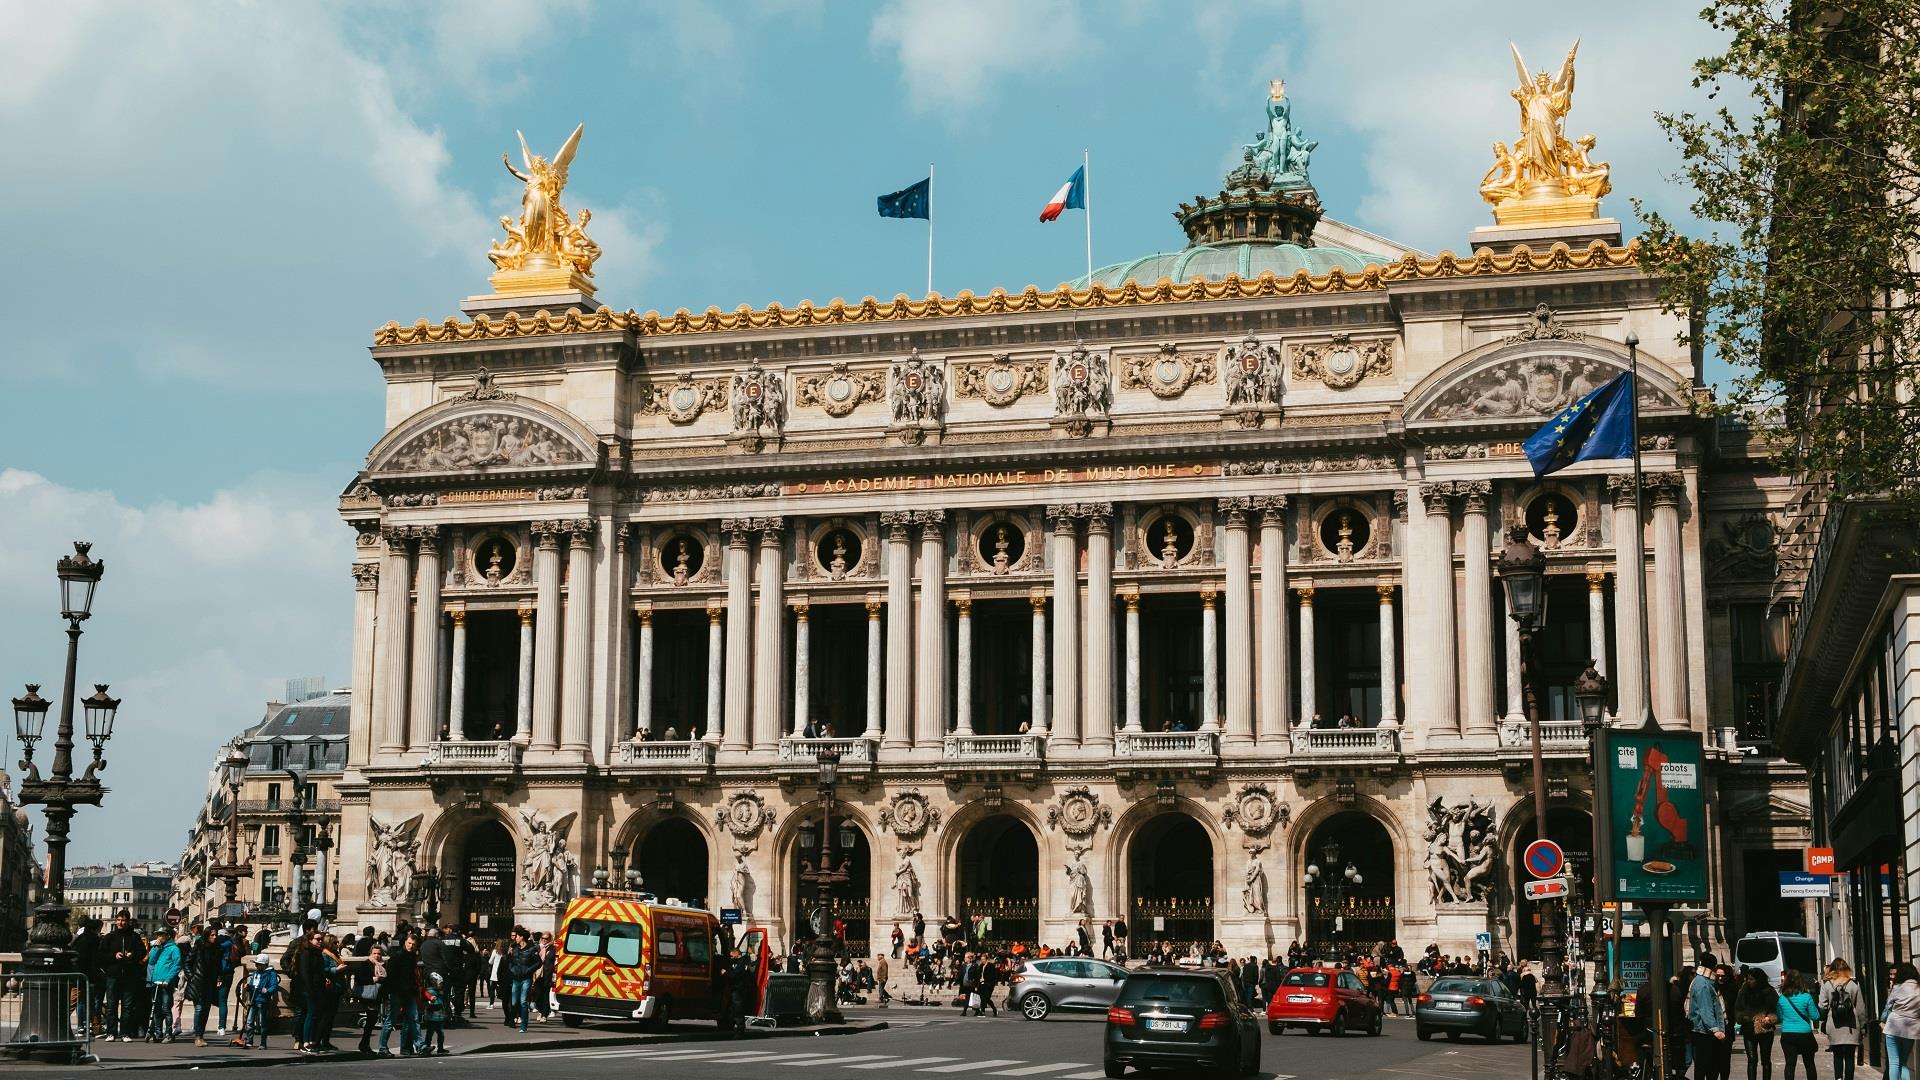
x: 270, y: 841
x: 312, y: 794
x: 279, y: 755
x: 273, y: 796
x: 269, y: 885
x: 1756, y: 672
x: 316, y: 755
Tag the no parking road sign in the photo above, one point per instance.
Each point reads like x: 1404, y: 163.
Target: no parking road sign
x: 1544, y: 859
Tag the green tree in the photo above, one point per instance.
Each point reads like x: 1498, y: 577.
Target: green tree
x: 1806, y: 282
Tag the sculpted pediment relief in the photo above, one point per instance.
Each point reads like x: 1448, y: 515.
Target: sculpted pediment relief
x: 1535, y: 379
x: 481, y: 435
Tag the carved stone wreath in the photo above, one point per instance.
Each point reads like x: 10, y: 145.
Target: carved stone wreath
x: 1002, y: 381
x: 1341, y: 362
x: 1256, y: 812
x: 908, y: 815
x: 839, y: 391
x: 1078, y: 813
x: 685, y: 399
x: 745, y: 815
x: 1166, y: 373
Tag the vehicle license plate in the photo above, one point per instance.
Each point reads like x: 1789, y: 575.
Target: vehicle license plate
x: 1451, y: 1006
x: 570, y: 981
x: 1300, y: 999
x: 1166, y: 1025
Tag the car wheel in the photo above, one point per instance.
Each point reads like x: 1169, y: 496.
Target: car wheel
x: 1035, y: 1006
x: 1277, y: 1029
x: 1253, y: 1062
x: 658, y: 1022
x: 1379, y: 1023
x: 1116, y: 1070
x: 1339, y: 1024
x: 569, y: 1020
x: 1453, y: 1036
x: 1422, y: 1034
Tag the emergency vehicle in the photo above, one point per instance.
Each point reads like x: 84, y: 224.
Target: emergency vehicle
x: 626, y: 956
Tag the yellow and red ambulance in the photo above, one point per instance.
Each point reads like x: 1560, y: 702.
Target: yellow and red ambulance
x: 625, y: 956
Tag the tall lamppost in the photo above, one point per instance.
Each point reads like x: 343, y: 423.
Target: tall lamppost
x: 1523, y: 573
x: 825, y: 876
x: 1590, y: 694
x: 46, y: 1017
x: 231, y: 870
x: 1334, y: 881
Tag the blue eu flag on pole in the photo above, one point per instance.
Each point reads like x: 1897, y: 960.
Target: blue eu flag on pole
x: 1598, y: 426
x: 913, y: 201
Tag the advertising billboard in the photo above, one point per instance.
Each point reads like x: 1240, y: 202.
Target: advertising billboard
x: 1658, y: 817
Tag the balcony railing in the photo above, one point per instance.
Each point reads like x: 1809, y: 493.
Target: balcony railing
x: 478, y: 756
x: 1167, y: 745
x: 1554, y: 735
x: 281, y: 806
x: 1346, y: 742
x: 990, y: 748
x: 680, y: 755
x: 856, y: 751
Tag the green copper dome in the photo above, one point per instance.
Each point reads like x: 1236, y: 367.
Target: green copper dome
x: 1215, y: 261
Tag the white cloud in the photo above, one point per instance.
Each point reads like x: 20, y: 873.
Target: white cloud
x: 205, y: 608
x: 950, y: 52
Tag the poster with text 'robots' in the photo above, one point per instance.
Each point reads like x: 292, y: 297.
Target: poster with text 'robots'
x: 1658, y: 817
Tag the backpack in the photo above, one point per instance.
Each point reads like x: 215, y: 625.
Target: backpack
x: 1840, y: 1005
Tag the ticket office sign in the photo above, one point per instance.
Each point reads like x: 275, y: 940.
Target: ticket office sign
x: 1658, y: 817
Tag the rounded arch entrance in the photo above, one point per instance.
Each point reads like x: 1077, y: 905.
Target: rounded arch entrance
x: 1347, y: 878
x: 998, y: 875
x: 674, y: 860
x: 848, y: 901
x: 482, y: 859
x: 1171, y: 878
x: 1572, y: 828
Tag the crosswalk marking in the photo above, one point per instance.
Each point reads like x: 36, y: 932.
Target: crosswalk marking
x: 1036, y: 1070
x: 840, y: 1060
x: 969, y: 1065
x: 901, y: 1064
x: 1095, y: 1074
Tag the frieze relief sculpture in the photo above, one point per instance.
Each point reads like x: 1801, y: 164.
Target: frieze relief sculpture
x: 1001, y: 381
x: 918, y: 397
x: 1340, y: 362
x: 837, y: 392
x: 1167, y: 373
x: 1078, y: 812
x: 1460, y: 854
x: 683, y: 400
x: 390, y: 865
x: 909, y: 816
x: 550, y: 869
x: 545, y: 250
x: 1082, y: 389
x: 481, y: 441
x: 1255, y: 381
x: 759, y: 399
x: 1540, y: 386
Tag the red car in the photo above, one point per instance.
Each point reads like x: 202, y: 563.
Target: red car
x: 1323, y: 998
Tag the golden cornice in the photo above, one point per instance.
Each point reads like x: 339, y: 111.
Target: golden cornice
x: 1483, y: 263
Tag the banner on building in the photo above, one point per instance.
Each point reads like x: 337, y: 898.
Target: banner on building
x: 1658, y: 817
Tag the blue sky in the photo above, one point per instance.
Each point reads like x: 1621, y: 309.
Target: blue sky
x: 210, y: 206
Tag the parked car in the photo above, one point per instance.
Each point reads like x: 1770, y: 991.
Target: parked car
x: 1041, y: 986
x: 1477, y: 1006
x: 1322, y: 999
x: 1178, y: 1018
x: 1774, y: 952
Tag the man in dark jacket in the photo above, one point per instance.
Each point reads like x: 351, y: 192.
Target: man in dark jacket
x: 123, y: 959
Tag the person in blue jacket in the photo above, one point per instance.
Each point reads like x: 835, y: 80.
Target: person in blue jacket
x: 163, y: 974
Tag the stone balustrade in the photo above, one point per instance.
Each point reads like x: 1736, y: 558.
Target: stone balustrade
x: 856, y: 751
x: 679, y: 755
x: 1167, y: 745
x: 1370, y: 743
x: 474, y: 755
x: 1020, y: 749
x: 1554, y: 735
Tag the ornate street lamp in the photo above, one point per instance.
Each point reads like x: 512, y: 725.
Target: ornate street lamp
x: 44, y: 1016
x: 1523, y: 573
x: 1334, y: 881
x: 1590, y: 694
x: 825, y: 876
x: 230, y: 871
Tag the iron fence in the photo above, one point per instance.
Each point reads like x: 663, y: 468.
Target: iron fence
x: 46, y: 1013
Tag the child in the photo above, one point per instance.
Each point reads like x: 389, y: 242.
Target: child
x: 434, y: 1039
x: 262, y: 986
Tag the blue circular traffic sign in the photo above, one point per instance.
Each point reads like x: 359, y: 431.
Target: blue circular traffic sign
x: 1544, y: 859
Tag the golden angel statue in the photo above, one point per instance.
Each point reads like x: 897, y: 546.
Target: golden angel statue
x: 1543, y: 168
x: 545, y: 239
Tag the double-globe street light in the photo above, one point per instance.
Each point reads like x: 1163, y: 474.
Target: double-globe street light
x: 826, y: 876
x: 45, y: 1017
x: 1334, y: 881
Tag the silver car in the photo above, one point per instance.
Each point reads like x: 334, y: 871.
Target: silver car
x: 1078, y: 982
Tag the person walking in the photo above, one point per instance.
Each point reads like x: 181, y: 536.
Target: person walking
x: 370, y: 991
x: 1799, y: 1015
x: 205, y: 956
x: 1901, y: 1021
x: 123, y: 959
x: 402, y: 992
x: 544, y: 979
x: 882, y: 974
x: 990, y: 976
x: 261, y: 987
x: 1707, y: 1019
x: 521, y: 964
x: 1841, y: 1006
x: 1753, y: 1010
x: 496, y: 989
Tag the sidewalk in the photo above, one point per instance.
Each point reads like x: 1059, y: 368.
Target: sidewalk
x: 482, y: 1035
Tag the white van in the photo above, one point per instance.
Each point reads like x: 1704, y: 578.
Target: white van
x: 1774, y: 952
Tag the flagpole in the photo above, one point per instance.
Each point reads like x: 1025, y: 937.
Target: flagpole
x: 929, y: 228
x: 1086, y: 196
x: 1647, y: 722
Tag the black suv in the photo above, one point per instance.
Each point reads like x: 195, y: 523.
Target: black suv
x: 1175, y: 1018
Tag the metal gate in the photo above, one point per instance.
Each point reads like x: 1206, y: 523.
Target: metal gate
x: 1000, y: 920
x: 1180, y: 923
x: 1353, y: 922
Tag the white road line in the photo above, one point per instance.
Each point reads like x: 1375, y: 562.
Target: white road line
x: 902, y: 1064
x: 1096, y: 1074
x: 1036, y: 1070
x: 890, y: 1058
x: 966, y: 1066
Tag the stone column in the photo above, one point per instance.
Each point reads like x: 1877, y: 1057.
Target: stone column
x: 390, y: 642
x: 425, y: 708
x: 1097, y: 686
x: 1629, y: 581
x: 1444, y: 720
x: 716, y: 671
x: 1132, y: 598
x: 457, y: 680
x: 874, y: 668
x: 899, y: 728
x: 963, y: 666
x: 1038, y: 724
x: 546, y: 636
x: 930, y: 705
x: 1516, y: 700
x: 1597, y: 619
x: 1209, y: 660
x: 1389, y: 667
x: 366, y: 610
x: 523, y: 708
x: 1275, y: 702
x: 770, y: 637
x: 1066, y: 626
x: 643, y: 677
x: 801, y: 663
x: 576, y: 655
x: 1239, y: 617
x: 1309, y: 691
x: 1669, y: 610
x: 1476, y: 665
x: 737, y: 702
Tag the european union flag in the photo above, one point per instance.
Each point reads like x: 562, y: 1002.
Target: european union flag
x: 1598, y: 426
x: 914, y: 201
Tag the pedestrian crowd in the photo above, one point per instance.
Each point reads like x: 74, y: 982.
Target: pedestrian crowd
x: 1712, y: 1005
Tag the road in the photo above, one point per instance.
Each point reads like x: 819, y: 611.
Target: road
x: 930, y: 1045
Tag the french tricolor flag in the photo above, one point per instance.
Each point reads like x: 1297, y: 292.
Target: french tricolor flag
x: 1071, y: 196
